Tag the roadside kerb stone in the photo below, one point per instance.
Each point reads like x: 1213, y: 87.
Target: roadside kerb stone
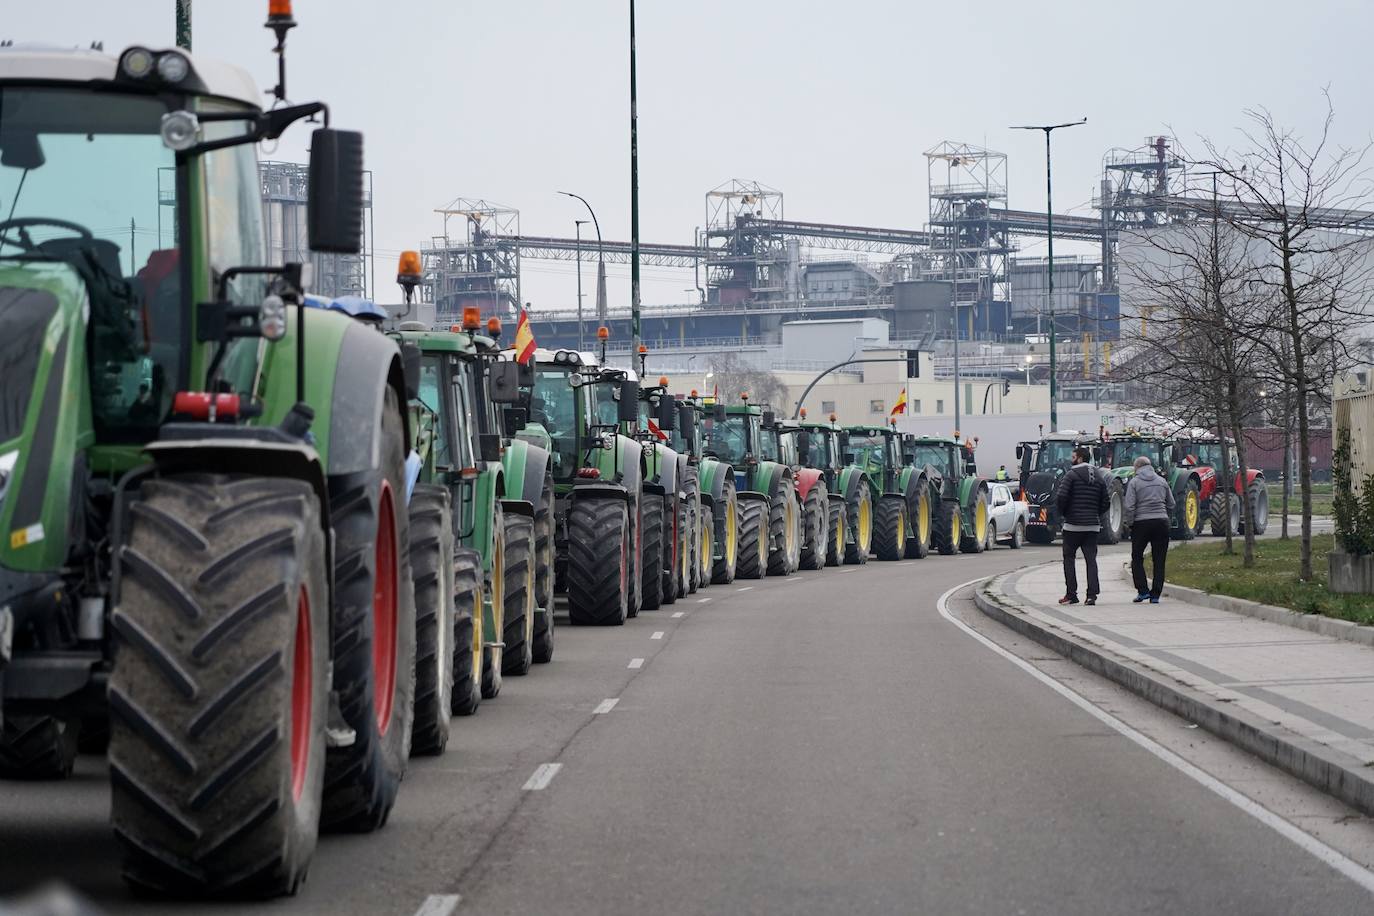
x: 1331, y: 770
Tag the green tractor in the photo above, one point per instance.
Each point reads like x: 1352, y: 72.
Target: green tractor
x: 716, y: 549
x: 669, y: 509
x: 819, y: 447
x: 577, y: 411
x: 962, y: 521
x: 1118, y: 452
x: 769, y: 537
x: 205, y: 517
x: 909, y: 516
x: 782, y: 443
x: 1043, y: 464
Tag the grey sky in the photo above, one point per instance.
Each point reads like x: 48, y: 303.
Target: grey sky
x: 832, y: 103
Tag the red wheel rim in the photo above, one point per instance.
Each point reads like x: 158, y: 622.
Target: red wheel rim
x: 302, y: 696
x: 384, y: 612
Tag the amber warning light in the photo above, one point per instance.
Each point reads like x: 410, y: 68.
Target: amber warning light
x: 472, y: 318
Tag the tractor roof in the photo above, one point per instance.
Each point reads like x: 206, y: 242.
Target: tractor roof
x: 49, y: 63
x: 431, y: 340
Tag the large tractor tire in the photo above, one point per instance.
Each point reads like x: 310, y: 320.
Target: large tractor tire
x: 1259, y: 505
x: 689, y: 536
x: 706, y: 547
x: 493, y: 631
x: 784, y: 530
x: 655, y: 544
x: 467, y: 631
x: 976, y: 541
x: 948, y: 530
x: 38, y: 747
x: 921, y: 516
x: 636, y: 602
x: 752, y: 562
x: 517, y: 620
x: 1189, y: 513
x: 599, y: 565
x: 889, y: 528
x: 673, y: 524
x: 838, y: 524
x: 1113, y: 521
x: 859, y: 509
x: 816, y: 527
x: 1220, y: 519
x: 726, y: 535
x: 220, y: 694
x: 544, y: 551
x: 431, y: 563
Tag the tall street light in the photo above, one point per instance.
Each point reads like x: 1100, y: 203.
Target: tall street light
x: 1049, y: 226
x: 578, y: 224
x: 600, y: 261
x: 634, y: 193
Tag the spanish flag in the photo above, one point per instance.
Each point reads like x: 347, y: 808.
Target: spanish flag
x: 900, y: 406
x: 524, y: 339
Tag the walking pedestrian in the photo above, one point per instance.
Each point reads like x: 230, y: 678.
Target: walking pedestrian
x: 1081, y: 499
x: 1149, y: 506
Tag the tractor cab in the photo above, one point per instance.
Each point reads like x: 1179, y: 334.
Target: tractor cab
x: 877, y: 449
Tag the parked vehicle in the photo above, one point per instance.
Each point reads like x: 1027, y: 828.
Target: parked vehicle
x: 770, y: 513
x: 1008, y: 517
x: 1043, y: 464
x: 1118, y: 453
x: 780, y: 443
x: 819, y: 446
x: 1205, y: 453
x: 963, y: 492
x: 718, y: 541
x: 906, y: 494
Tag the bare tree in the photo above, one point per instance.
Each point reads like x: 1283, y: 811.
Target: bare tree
x: 733, y: 377
x: 1299, y: 204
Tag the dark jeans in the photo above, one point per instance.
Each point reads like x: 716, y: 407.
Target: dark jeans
x: 1087, y: 542
x: 1152, y: 533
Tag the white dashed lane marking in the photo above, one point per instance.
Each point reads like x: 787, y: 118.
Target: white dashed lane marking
x: 677, y: 614
x: 702, y: 600
x: 605, y: 706
x: 543, y: 775
x: 658, y: 634
x: 744, y: 589
x: 438, y: 905
x: 636, y: 663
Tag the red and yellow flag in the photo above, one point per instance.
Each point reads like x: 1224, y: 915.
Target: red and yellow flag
x: 900, y: 406
x: 524, y: 339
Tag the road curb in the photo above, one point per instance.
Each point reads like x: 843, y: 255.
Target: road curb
x: 1322, y: 767
x: 1312, y: 623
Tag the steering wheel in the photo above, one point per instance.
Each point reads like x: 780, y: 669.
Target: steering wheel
x: 23, y: 222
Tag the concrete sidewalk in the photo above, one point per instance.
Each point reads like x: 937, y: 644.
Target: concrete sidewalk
x: 1300, y: 700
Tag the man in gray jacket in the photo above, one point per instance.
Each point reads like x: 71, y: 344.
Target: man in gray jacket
x: 1148, y: 509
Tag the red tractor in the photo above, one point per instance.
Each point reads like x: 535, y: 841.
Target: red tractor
x: 1205, y: 454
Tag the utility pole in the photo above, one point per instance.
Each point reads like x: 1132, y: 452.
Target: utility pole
x: 954, y: 294
x: 184, y: 24
x: 600, y: 259
x: 634, y: 193
x: 579, y: 223
x: 1049, y: 226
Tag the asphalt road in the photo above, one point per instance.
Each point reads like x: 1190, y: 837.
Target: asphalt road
x: 829, y: 743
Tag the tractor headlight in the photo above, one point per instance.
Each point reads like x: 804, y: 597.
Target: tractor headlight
x: 180, y: 130
x: 136, y: 63
x: 7, y: 463
x: 272, y: 317
x: 173, y: 67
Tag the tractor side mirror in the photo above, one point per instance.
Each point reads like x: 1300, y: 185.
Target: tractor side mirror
x: 718, y: 412
x: 848, y: 457
x: 334, y: 205
x: 687, y: 420
x: 1025, y: 455
x: 1020, y: 451
x: 514, y: 419
x: 410, y: 369
x: 1176, y: 454
x: 526, y: 374
x: 504, y: 382
x: 667, y: 414
x: 627, y: 409
x: 769, y: 419
x: 489, y: 446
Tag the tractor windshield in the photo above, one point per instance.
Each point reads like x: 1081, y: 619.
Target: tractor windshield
x: 554, y: 406
x: 79, y: 184
x: 730, y: 438
x: 870, y: 452
x: 1123, y: 453
x: 820, y: 452
x: 1054, y: 455
x: 938, y: 455
x: 1209, y: 454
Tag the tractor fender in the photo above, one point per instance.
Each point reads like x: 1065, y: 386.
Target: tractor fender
x: 752, y: 496
x: 851, y: 478
x: 770, y: 475
x: 1207, y: 483
x: 365, y: 365
x: 1252, y: 476
x: 657, y: 489
x: 596, y: 489
x: 711, y: 477
x: 526, y: 465
x: 518, y: 507
x: 806, y: 479
x: 488, y: 492
x: 667, y: 469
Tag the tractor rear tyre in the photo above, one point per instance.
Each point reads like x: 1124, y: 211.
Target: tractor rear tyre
x: 517, y: 619
x: 544, y: 550
x: 946, y: 534
x: 784, y: 530
x: 816, y: 527
x: 1189, y: 513
x: 1113, y: 521
x: 889, y: 528
x: 688, y: 531
x: 431, y: 563
x: 1259, y: 505
x: 598, y: 574
x: 1218, y: 514
x: 654, y: 547
x: 374, y: 636
x: 493, y: 630
x: 220, y: 693
x: 673, y: 523
x: 467, y: 631
x: 918, y: 507
x: 725, y: 532
x: 753, y: 540
x: 976, y: 541
x: 38, y: 747
x: 859, y: 509
x: 838, y: 525
x: 706, y: 547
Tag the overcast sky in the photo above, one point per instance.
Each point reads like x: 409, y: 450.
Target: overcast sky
x: 832, y: 103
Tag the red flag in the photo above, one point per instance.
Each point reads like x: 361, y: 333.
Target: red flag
x: 524, y: 339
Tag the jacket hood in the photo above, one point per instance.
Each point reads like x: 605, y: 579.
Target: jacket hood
x: 1147, y: 473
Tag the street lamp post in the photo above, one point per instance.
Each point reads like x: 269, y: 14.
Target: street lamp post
x: 600, y: 259
x: 1049, y: 231
x: 579, y: 223
x: 634, y: 193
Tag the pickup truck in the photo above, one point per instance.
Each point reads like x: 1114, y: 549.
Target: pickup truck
x: 1007, y: 517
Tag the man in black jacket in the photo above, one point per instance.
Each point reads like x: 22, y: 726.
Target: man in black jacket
x: 1082, y: 498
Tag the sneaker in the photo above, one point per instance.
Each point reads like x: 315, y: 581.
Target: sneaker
x: 1068, y: 599
x: 1090, y: 602
x: 1154, y: 600
x: 1143, y: 596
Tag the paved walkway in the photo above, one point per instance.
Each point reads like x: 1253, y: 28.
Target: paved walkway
x: 1314, y: 686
